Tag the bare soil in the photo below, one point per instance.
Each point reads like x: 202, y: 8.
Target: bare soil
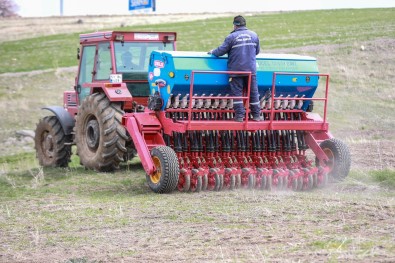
x: 337, y: 224
x: 372, y: 154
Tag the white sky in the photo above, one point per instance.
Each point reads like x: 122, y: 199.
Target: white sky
x: 30, y: 8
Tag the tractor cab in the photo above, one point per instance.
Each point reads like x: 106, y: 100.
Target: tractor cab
x: 124, y: 55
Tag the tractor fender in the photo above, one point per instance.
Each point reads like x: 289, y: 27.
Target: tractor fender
x: 66, y: 121
x: 114, y: 91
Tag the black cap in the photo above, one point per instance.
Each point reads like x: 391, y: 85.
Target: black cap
x: 239, y: 21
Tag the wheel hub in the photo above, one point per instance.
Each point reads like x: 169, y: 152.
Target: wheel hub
x: 48, y: 144
x: 330, y: 163
x: 92, y: 134
x: 155, y: 177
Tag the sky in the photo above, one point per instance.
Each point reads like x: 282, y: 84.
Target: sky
x: 37, y: 8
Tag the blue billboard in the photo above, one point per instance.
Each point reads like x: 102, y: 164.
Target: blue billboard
x: 141, y: 4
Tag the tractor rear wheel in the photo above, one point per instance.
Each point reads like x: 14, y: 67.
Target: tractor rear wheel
x: 50, y: 143
x: 339, y: 158
x: 99, y: 134
x: 165, y: 178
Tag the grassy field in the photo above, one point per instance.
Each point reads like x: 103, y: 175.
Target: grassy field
x: 76, y: 215
x: 282, y: 30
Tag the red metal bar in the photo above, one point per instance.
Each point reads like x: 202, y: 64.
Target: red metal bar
x: 326, y: 96
x: 312, y: 121
x: 248, y: 100
x: 325, y: 99
x: 191, y: 97
x: 315, y: 147
x: 221, y: 125
x: 217, y: 111
x: 142, y: 149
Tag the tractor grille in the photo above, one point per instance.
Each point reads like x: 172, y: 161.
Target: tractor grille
x: 71, y: 100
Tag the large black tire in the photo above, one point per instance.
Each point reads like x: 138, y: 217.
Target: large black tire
x: 99, y: 134
x: 165, y: 178
x: 339, y: 158
x: 50, y: 143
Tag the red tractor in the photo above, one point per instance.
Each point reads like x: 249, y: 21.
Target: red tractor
x: 135, y: 95
x: 91, y: 117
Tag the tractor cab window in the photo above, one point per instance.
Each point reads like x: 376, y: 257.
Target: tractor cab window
x: 85, y: 73
x: 134, y: 57
x: 103, y: 62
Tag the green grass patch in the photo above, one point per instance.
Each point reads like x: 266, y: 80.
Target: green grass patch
x: 332, y: 244
x: 22, y: 177
x: 17, y: 171
x: 39, y: 53
x: 283, y: 30
x: 385, y: 177
x: 357, y: 177
x: 21, y: 160
x: 80, y: 260
x: 359, y: 180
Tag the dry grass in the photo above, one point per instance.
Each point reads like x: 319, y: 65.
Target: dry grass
x: 22, y: 96
x: 21, y: 28
x: 360, y: 82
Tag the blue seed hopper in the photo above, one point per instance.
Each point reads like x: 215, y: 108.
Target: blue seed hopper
x: 170, y: 73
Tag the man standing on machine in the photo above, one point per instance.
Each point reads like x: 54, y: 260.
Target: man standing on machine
x: 242, y: 46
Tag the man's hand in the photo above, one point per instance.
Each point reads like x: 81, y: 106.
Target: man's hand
x: 210, y: 52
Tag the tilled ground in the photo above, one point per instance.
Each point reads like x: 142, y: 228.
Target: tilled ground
x: 373, y: 155
x: 344, y: 222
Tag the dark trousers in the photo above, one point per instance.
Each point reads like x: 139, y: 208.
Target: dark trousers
x: 237, y: 85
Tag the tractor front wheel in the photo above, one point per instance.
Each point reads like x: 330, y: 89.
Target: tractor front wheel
x: 99, y: 134
x: 165, y: 178
x: 50, y: 143
x: 339, y: 158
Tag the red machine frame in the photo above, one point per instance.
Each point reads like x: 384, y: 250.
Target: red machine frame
x: 146, y: 129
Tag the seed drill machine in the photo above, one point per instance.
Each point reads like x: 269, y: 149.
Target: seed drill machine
x: 135, y: 95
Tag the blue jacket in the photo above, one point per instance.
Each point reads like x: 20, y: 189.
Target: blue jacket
x: 242, y: 46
